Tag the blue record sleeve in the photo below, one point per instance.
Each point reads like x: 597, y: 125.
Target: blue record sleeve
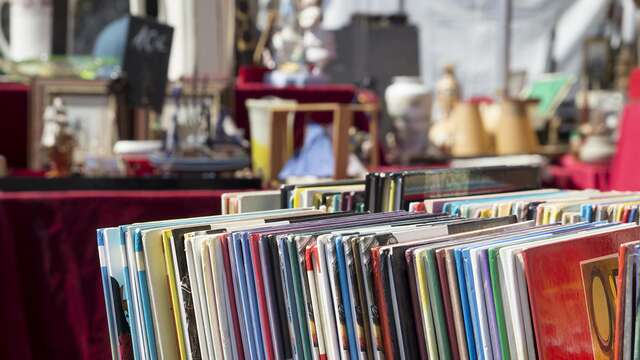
x: 107, y: 292
x: 464, y: 304
x: 290, y: 300
x: 473, y: 306
x: 136, y: 332
x: 240, y: 287
x: 346, y: 299
x: 144, y: 294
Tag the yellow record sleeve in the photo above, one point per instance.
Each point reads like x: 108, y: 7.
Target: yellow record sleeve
x: 425, y: 304
x: 173, y: 290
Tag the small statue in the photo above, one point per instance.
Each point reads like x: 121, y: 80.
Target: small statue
x: 319, y: 44
x: 448, y: 94
x: 58, y: 139
x: 287, y: 41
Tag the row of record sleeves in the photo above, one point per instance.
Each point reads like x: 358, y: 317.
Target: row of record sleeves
x: 392, y: 191
x: 458, y: 279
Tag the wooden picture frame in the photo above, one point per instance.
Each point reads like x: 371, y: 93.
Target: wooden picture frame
x: 44, y: 90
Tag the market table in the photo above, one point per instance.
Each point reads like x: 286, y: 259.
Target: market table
x: 52, y: 303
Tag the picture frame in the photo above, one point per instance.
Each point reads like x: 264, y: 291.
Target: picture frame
x: 89, y: 110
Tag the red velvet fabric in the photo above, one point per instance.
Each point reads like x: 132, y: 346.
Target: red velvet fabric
x: 52, y: 304
x: 14, y: 102
x: 625, y: 172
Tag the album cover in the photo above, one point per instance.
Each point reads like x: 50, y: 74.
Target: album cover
x: 382, y: 307
x: 293, y: 322
x: 252, y: 292
x: 234, y: 311
x: 276, y: 301
x: 110, y: 306
x: 329, y: 248
x: 415, y: 301
x: 329, y: 320
x: 316, y: 326
x: 298, y: 295
x: 346, y: 295
x: 569, y: 321
x: 424, y: 318
x: 361, y: 293
x: 203, y: 261
x: 354, y: 295
x: 365, y: 246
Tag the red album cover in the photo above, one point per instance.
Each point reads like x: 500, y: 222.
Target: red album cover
x: 262, y: 297
x: 224, y: 243
x: 446, y: 303
x: 572, y: 291
x: 381, y: 303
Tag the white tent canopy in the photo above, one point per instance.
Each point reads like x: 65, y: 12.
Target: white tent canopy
x: 467, y: 34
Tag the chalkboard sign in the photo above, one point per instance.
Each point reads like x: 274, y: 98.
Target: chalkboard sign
x: 146, y: 62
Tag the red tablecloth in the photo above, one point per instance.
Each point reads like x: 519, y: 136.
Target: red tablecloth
x: 14, y: 102
x: 52, y: 304
x: 574, y: 174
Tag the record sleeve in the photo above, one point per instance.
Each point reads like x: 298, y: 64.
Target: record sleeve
x: 569, y: 320
x: 326, y: 301
x: 184, y: 285
x: 201, y: 241
x: 223, y: 301
x: 381, y: 304
x: 316, y: 326
x: 181, y: 333
x: 345, y: 294
x: 234, y: 310
x: 274, y: 290
x: 415, y: 302
x: 299, y: 294
x: 107, y: 292
x: 362, y: 297
x: 329, y: 249
x: 256, y: 323
x: 366, y: 248
x: 293, y: 322
x: 354, y: 295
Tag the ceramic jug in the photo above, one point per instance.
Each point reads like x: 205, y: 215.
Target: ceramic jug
x: 30, y: 24
x: 469, y: 136
x: 514, y: 133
